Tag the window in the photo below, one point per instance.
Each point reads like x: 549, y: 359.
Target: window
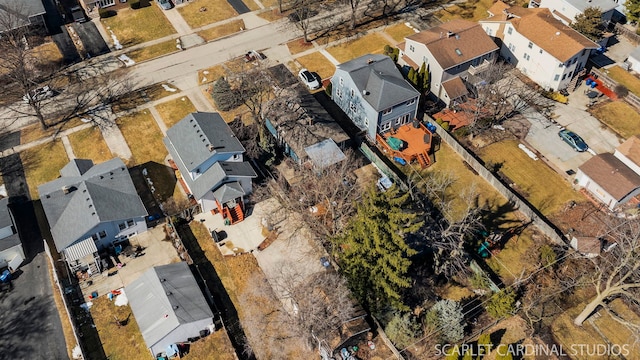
x: 570, y: 73
x: 387, y: 111
x: 574, y: 60
x: 556, y: 78
x: 339, y: 93
x: 94, y: 237
x: 564, y: 76
x: 102, y: 234
x: 352, y: 107
x: 411, y: 102
x: 411, y: 48
x: 540, y: 51
x: 341, y: 81
x: 561, y: 65
x: 583, y: 52
x: 527, y: 57
x: 579, y: 67
x: 352, y: 92
x: 399, y: 121
x: 366, y: 122
x: 530, y: 45
x: 386, y: 125
x: 122, y: 226
x: 130, y: 223
x: 512, y: 47
x: 509, y: 30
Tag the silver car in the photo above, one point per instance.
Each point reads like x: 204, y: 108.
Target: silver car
x: 165, y: 4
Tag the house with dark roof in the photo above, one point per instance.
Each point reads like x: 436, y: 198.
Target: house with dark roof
x: 11, y: 251
x: 608, y: 180
x: 18, y: 14
x: 303, y: 128
x: 544, y: 49
x: 209, y: 159
x: 451, y: 51
x: 168, y: 306
x: 373, y: 93
x: 91, y: 207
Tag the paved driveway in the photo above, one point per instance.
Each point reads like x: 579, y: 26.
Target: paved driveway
x: 91, y: 39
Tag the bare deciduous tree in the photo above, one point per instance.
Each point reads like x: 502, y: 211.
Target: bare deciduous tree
x: 301, y: 13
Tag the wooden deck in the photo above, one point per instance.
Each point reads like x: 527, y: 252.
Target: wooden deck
x: 417, y: 143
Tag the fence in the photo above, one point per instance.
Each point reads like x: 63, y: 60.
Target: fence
x: 628, y: 33
x: 631, y: 98
x: 380, y: 163
x: 530, y: 212
x: 64, y: 299
x: 386, y: 340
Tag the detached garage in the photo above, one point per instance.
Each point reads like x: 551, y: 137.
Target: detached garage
x: 11, y: 252
x: 608, y: 179
x: 168, y: 306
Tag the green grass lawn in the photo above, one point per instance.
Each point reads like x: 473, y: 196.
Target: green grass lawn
x: 89, y: 144
x: 472, y: 10
x: 539, y: 184
x: 175, y: 110
x: 216, y: 10
x: 138, y: 26
x: 217, y: 32
x: 153, y: 51
x: 620, y: 117
x: 368, y: 44
x: 398, y: 32
x: 42, y: 164
x: 625, y: 78
x: 143, y: 137
x: 318, y: 63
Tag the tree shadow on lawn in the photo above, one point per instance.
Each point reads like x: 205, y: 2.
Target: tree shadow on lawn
x: 154, y: 188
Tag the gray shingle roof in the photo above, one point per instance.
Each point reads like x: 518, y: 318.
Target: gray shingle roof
x: 197, y: 133
x: 103, y: 193
x: 17, y: 13
x: 228, y: 192
x: 76, y: 167
x: 165, y: 297
x: 603, y: 5
x: 378, y: 75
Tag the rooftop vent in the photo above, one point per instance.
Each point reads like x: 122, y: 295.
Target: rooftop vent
x: 365, y: 92
x: 450, y: 33
x: 458, y: 52
x: 210, y: 147
x: 557, y: 33
x: 68, y: 189
x: 370, y: 61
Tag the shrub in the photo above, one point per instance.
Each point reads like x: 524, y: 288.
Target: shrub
x: 621, y: 90
x: 450, y: 319
x: 403, y: 330
x: 547, y: 255
x: 134, y: 4
x: 328, y: 88
x: 224, y: 97
x: 501, y: 304
x: 445, y: 126
x: 106, y: 13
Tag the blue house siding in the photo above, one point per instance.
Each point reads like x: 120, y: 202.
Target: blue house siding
x: 286, y: 149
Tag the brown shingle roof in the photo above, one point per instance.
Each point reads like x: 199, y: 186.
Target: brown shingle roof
x: 544, y: 30
x: 631, y: 149
x: 611, y: 174
x: 588, y: 244
x: 467, y: 42
x: 455, y: 88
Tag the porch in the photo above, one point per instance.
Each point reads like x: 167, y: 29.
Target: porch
x: 416, y: 143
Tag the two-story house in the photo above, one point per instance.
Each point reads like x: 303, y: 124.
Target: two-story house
x: 209, y: 158
x: 24, y: 13
x: 451, y: 51
x: 91, y: 207
x: 539, y: 45
x: 567, y: 10
x: 11, y: 251
x: 373, y: 93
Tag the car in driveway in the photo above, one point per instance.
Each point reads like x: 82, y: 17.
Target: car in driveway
x: 573, y: 139
x: 165, y: 4
x: 37, y: 95
x: 308, y: 79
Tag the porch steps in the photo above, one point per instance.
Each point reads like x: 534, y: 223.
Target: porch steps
x: 94, y: 268
x: 235, y: 215
x: 423, y: 159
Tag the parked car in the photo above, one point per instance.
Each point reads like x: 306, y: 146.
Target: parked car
x: 78, y: 14
x: 574, y: 140
x: 165, y: 4
x: 308, y: 79
x: 38, y: 94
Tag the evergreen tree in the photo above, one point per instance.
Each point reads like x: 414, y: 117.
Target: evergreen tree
x: 412, y: 77
x: 372, y: 251
x: 501, y: 303
x: 633, y: 10
x: 589, y: 23
x: 224, y: 97
x: 403, y: 330
x: 424, y: 84
x: 450, y: 320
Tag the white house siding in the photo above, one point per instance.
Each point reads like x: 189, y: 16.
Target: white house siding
x: 625, y: 160
x: 635, y: 63
x: 595, y: 190
x: 113, y: 232
x: 569, y: 11
x: 9, y: 254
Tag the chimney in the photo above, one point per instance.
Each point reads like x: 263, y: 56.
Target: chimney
x: 370, y: 61
x: 68, y: 189
x: 210, y: 147
x: 449, y: 34
x: 365, y: 92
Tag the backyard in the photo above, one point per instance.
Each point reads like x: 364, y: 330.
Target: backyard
x: 173, y: 111
x: 42, y: 164
x: 204, y: 12
x: 89, y: 144
x: 398, y: 32
x: 623, y: 77
x: 133, y: 27
x: 621, y: 117
x: 472, y: 10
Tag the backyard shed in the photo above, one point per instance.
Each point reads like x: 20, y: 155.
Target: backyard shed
x: 168, y: 306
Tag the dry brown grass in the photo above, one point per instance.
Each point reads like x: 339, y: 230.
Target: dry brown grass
x: 216, y: 10
x: 211, y: 74
x: 133, y: 27
x: 140, y: 97
x: 34, y: 132
x: 118, y: 342
x: 216, y: 346
x: 153, y: 51
x: 217, y: 32
x: 620, y: 117
x: 173, y: 111
x: 472, y: 10
x: 269, y: 3
x: 89, y: 144
x: 42, y: 164
x: 317, y: 62
x: 298, y: 45
x: 398, y: 32
x: 519, y: 254
x: 48, y: 52
x: 271, y: 15
x: 369, y: 44
x: 67, y: 330
x: 143, y: 136
x: 625, y: 78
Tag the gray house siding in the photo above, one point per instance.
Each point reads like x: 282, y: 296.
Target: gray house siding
x: 111, y: 231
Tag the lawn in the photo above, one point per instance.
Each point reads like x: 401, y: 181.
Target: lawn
x: 519, y: 254
x: 140, y: 97
x: 317, y: 62
x: 369, y: 44
x: 625, y: 78
x: 48, y: 52
x: 472, y: 10
x: 42, y: 164
x: 216, y: 346
x: 214, y: 11
x: 89, y: 144
x: 133, y: 27
x: 34, y: 132
x: 398, y: 32
x: 153, y: 51
x: 270, y: 15
x: 539, y: 184
x: 175, y: 110
x: 143, y: 137
x: 211, y: 74
x: 119, y: 342
x: 620, y: 117
x: 298, y: 45
x: 217, y: 32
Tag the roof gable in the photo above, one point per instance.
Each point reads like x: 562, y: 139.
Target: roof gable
x: 631, y: 149
x: 611, y: 174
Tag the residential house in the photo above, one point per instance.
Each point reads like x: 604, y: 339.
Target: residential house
x: 301, y: 125
x: 567, y: 10
x: 17, y: 14
x: 451, y: 51
x: 90, y: 208
x: 169, y: 306
x: 629, y: 153
x: 608, y: 180
x: 11, y: 251
x: 92, y: 6
x: 209, y: 159
x: 540, y: 46
x: 373, y: 93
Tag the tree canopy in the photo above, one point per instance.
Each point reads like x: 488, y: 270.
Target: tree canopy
x: 372, y: 250
x: 632, y: 10
x: 589, y: 23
